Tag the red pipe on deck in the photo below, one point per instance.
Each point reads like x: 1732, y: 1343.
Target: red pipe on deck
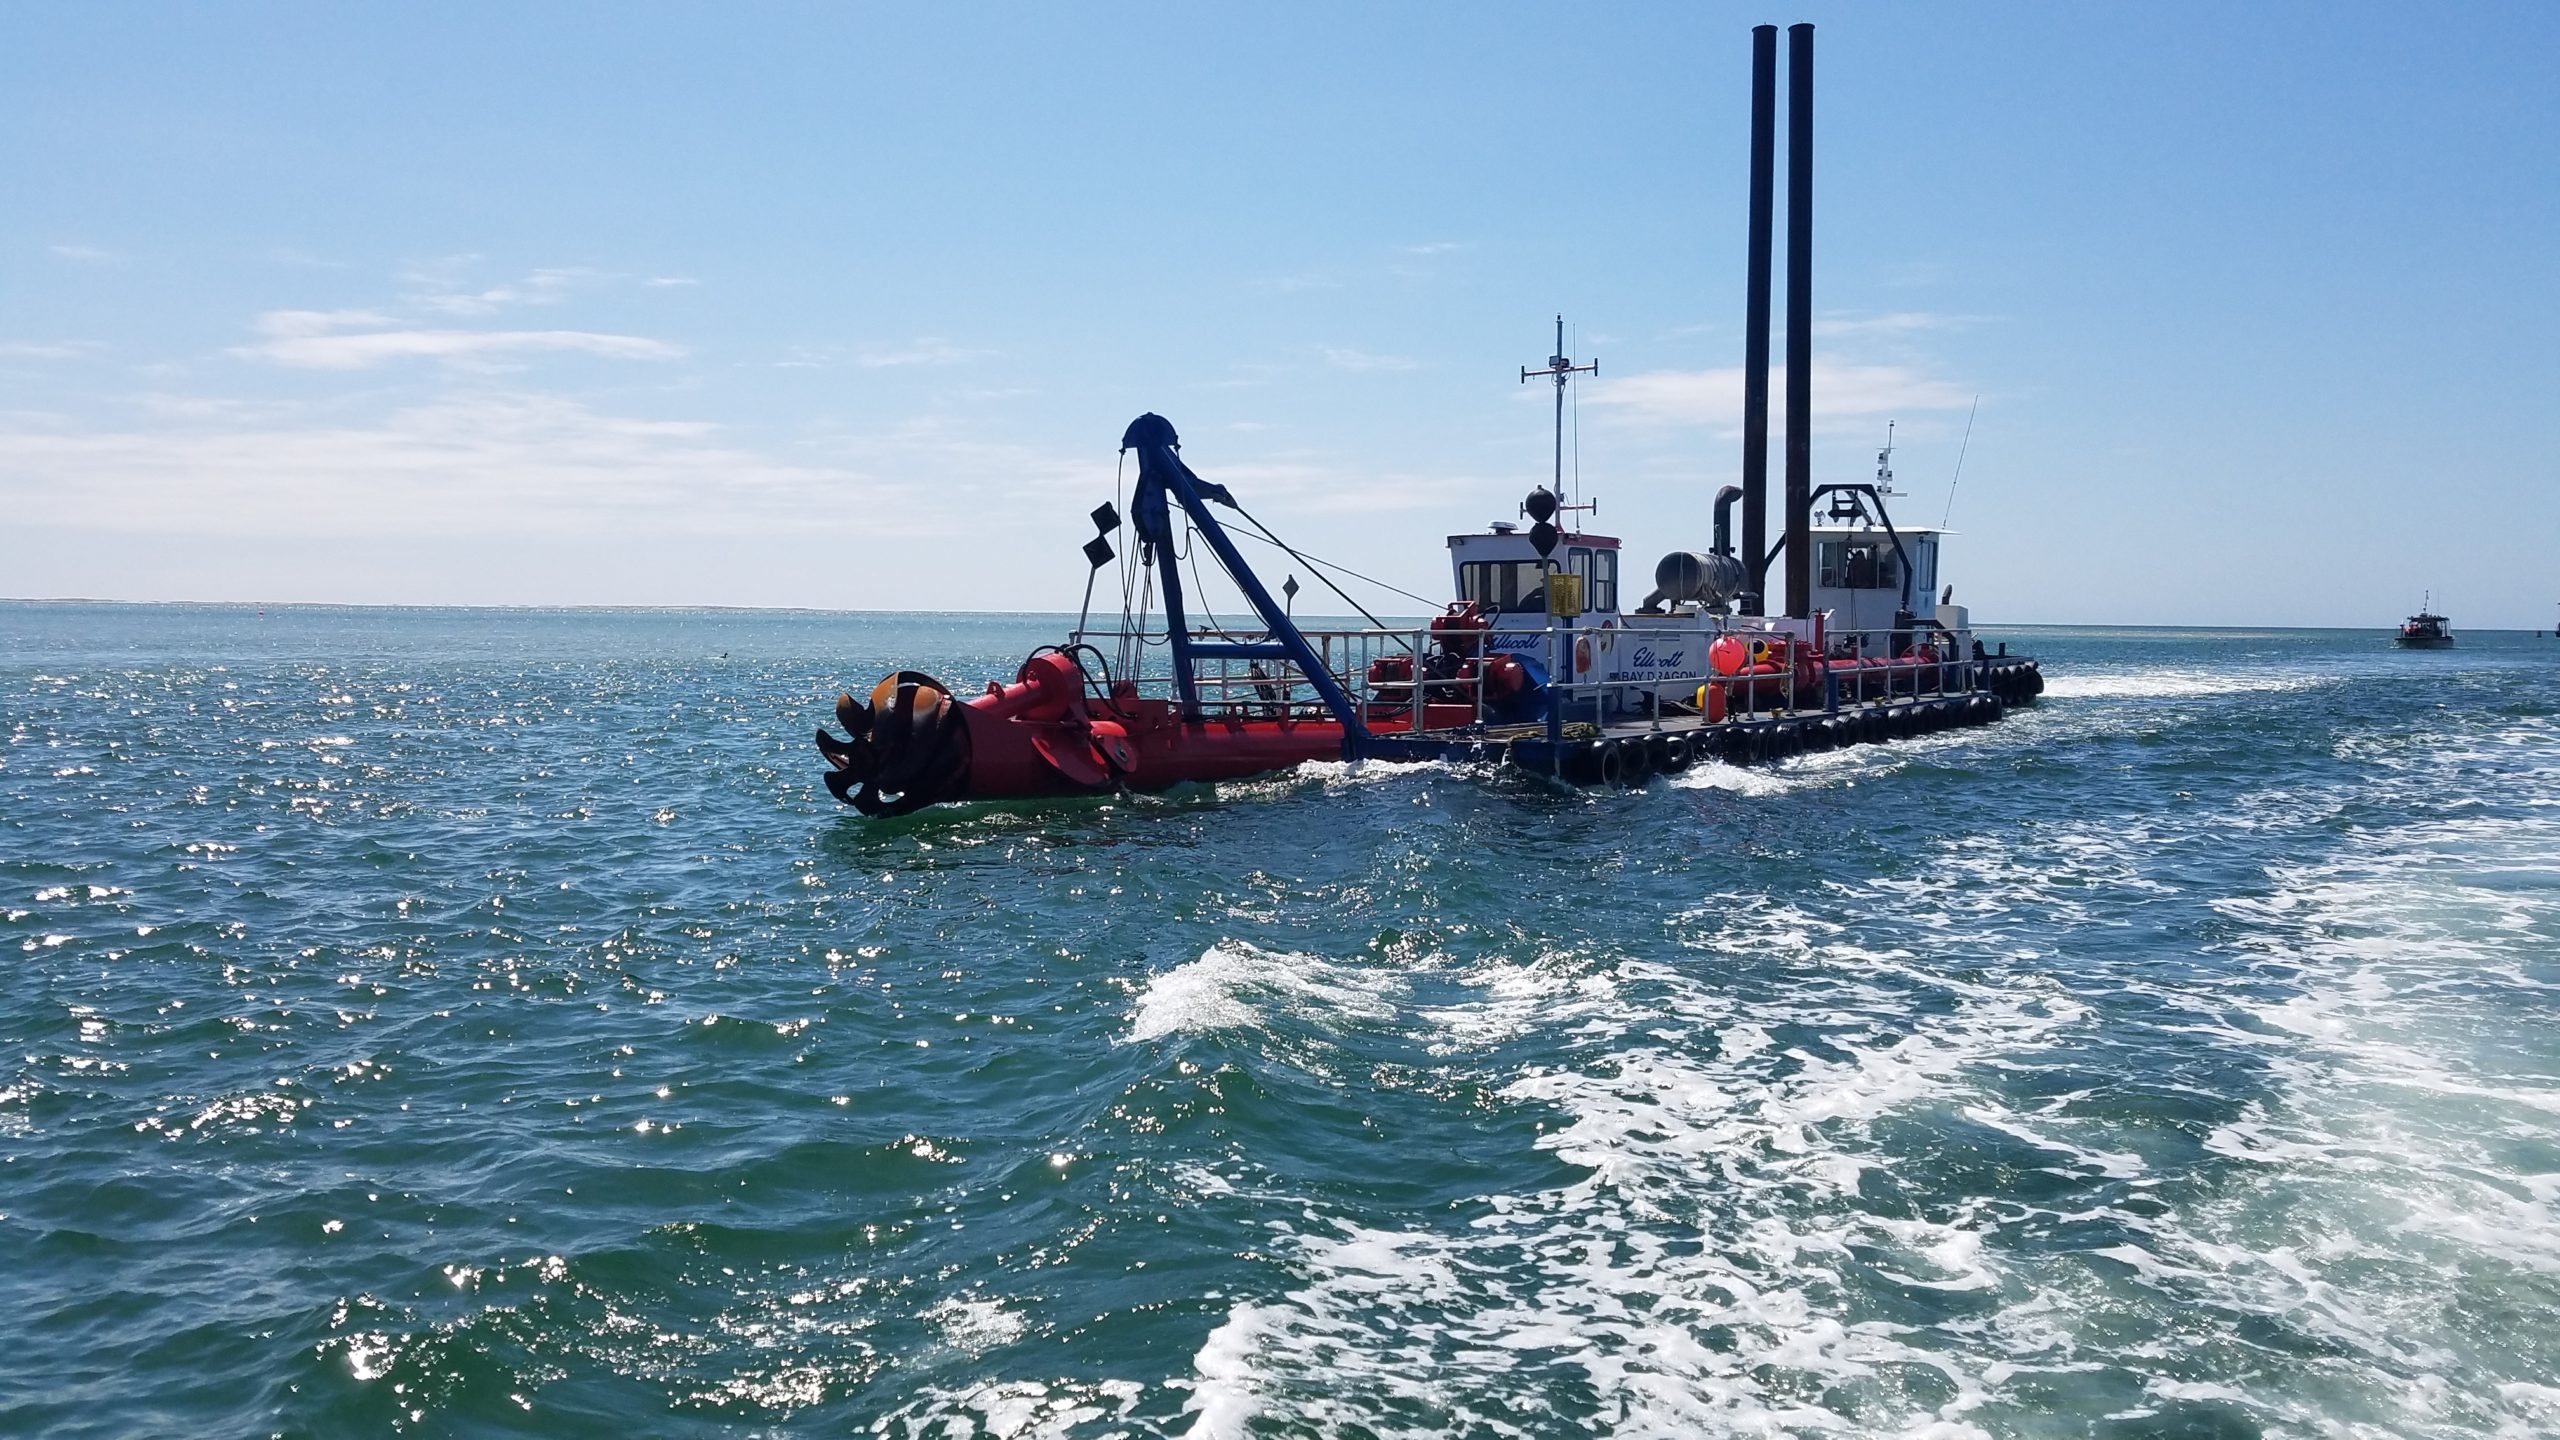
x: 1043, y: 736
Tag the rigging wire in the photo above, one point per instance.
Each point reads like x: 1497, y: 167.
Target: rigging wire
x: 1960, y: 454
x: 1199, y: 587
x: 1318, y: 571
x: 1314, y: 562
x: 1129, y: 659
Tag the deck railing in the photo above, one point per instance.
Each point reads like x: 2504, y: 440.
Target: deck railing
x: 1410, y: 703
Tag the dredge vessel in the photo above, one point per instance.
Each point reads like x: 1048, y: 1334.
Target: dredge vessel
x: 1533, y: 664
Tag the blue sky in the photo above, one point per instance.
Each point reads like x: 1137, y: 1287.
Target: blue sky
x: 847, y: 306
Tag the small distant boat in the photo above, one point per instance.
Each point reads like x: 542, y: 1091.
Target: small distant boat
x: 2426, y: 630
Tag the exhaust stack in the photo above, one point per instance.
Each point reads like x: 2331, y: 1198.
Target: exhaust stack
x: 1800, y: 320
x: 1755, y: 321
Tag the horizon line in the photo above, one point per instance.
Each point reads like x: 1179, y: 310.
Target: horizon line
x: 607, y: 608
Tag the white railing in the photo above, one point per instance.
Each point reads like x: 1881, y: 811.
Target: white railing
x: 1275, y: 688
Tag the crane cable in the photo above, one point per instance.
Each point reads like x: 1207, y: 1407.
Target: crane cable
x: 1319, y: 565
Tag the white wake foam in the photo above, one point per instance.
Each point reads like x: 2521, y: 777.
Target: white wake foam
x: 1235, y: 985
x: 1691, y: 1280
x: 2174, y: 684
x: 2329, y: 1265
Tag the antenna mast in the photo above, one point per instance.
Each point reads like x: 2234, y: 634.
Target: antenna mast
x: 1560, y: 367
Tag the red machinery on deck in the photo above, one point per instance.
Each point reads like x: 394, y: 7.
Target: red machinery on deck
x: 1045, y: 734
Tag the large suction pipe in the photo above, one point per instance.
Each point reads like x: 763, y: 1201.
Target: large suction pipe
x: 1755, y: 320
x: 1800, y: 320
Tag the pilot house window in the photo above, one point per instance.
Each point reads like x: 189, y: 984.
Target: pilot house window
x: 1856, y: 565
x: 1599, y: 572
x: 1508, y: 585
x: 1519, y: 587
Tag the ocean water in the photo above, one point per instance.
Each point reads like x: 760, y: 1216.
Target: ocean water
x: 482, y: 1023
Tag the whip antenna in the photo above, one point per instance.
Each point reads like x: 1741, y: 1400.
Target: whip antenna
x: 1960, y: 453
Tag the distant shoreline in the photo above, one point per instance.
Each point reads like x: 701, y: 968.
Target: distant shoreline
x: 505, y: 609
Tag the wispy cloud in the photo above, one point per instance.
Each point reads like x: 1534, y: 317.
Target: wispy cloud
x: 440, y: 288
x: 1250, y: 375
x: 1316, y: 485
x: 289, y: 324
x: 925, y: 350
x: 331, y: 340
x: 470, y: 465
x: 1348, y: 359
x: 1714, y: 397
x: 87, y: 255
x: 666, y: 282
x: 1422, y: 262
x: 163, y: 405
x: 1899, y: 322
x: 47, y: 349
x: 287, y: 255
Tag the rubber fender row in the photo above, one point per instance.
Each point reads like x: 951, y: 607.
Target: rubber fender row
x: 1630, y: 759
x: 2016, y: 682
x: 1784, y: 739
x: 1634, y: 759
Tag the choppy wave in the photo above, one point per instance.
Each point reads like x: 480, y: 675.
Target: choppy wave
x: 1235, y: 985
x: 1692, y: 1279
